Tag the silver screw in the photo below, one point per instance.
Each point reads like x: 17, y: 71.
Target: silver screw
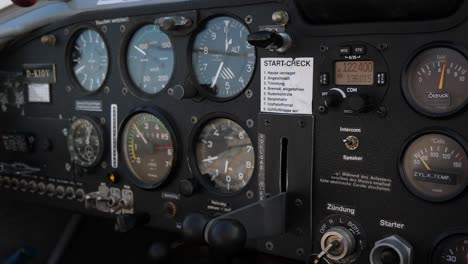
x: 68, y: 89
x: 104, y: 29
x: 248, y: 19
x: 122, y: 28
x: 194, y: 119
x: 250, y: 123
x: 170, y: 92
x: 250, y: 194
x: 124, y: 91
x: 67, y: 167
x: 66, y: 32
x: 103, y: 120
x: 248, y: 93
x: 104, y: 165
x: 65, y: 132
x: 106, y: 89
x: 269, y: 246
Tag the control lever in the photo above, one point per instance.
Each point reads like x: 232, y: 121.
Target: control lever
x: 276, y: 41
x: 128, y: 222
x: 262, y: 219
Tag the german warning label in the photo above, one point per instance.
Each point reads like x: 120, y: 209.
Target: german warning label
x: 286, y: 85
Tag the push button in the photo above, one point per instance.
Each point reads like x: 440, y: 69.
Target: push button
x: 345, y: 50
x: 359, y: 50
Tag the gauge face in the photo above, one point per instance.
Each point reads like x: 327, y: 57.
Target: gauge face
x: 90, y: 60
x: 436, y: 80
x: 85, y: 142
x: 452, y: 250
x: 434, y: 167
x: 150, y: 59
x: 222, y: 59
x: 149, y: 149
x: 224, y: 155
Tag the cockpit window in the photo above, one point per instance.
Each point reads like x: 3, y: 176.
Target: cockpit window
x: 4, y: 4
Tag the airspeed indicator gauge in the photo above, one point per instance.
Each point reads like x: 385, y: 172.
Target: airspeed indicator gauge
x: 222, y: 59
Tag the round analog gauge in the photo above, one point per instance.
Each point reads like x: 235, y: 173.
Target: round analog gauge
x: 150, y: 59
x: 435, y: 81
x: 222, y: 59
x: 89, y: 59
x: 224, y: 155
x: 85, y: 142
x: 434, y: 166
x: 451, y: 250
x: 149, y: 149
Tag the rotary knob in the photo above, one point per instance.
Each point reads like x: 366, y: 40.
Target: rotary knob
x: 338, y: 243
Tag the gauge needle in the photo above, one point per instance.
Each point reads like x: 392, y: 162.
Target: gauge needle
x: 425, y: 163
x: 140, y: 50
x: 141, y: 134
x: 442, y: 77
x: 210, y: 159
x: 215, y: 79
x: 226, y: 167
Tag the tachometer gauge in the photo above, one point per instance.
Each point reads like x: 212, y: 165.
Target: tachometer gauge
x: 150, y: 59
x: 85, y: 142
x: 451, y: 250
x: 224, y: 155
x: 222, y: 59
x: 434, y: 166
x: 89, y: 59
x: 149, y: 148
x: 435, y: 81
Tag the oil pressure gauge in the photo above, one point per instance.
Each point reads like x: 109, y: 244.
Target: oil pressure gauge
x: 434, y: 165
x: 434, y: 83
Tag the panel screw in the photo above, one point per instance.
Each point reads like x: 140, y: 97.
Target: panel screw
x: 65, y: 132
x: 170, y: 92
x: 269, y: 246
x: 104, y: 164
x: 383, y: 46
x: 248, y: 93
x: 106, y: 89
x: 322, y: 109
x: 267, y: 122
x: 298, y: 202
x: 122, y: 28
x: 250, y: 123
x: 280, y: 18
x: 250, y: 195
x: 103, y: 120
x: 248, y: 19
x: 104, y: 29
x: 48, y: 40
x: 194, y: 119
x: 67, y: 167
x: 300, y: 251
x: 68, y: 89
x: 124, y: 91
x: 323, y: 48
x: 66, y: 32
x: 302, y: 123
x: 382, y: 111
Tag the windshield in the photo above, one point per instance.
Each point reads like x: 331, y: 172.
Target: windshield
x: 4, y: 3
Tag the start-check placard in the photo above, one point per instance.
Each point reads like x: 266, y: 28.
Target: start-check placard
x: 287, y: 85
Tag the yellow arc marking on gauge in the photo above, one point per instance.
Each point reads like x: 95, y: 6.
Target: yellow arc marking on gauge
x: 425, y: 163
x: 133, y: 149
x: 442, y: 77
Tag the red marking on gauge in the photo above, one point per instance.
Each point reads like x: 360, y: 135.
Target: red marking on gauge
x: 461, y: 158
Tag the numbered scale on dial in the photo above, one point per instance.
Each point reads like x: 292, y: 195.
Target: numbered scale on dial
x: 85, y: 142
x: 224, y: 155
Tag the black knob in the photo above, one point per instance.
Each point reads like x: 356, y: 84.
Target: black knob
x: 186, y: 187
x: 356, y: 103
x: 333, y: 98
x: 266, y: 40
x: 158, y: 252
x: 193, y: 227
x: 228, y: 235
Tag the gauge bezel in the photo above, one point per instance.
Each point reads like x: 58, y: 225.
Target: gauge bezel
x: 405, y: 76
x: 175, y: 142
x: 201, y: 27
x: 444, y: 236
x: 71, y: 147
x: 193, y: 159
x: 125, y: 75
x: 68, y: 58
x: 433, y: 130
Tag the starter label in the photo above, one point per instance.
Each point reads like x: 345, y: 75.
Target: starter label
x: 286, y: 85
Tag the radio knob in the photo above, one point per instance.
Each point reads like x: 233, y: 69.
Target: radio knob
x: 357, y: 103
x: 333, y: 98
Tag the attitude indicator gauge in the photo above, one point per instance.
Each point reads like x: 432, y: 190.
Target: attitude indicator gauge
x: 224, y: 155
x: 435, y: 82
x: 85, y: 142
x: 434, y: 165
x: 149, y: 148
x: 222, y: 59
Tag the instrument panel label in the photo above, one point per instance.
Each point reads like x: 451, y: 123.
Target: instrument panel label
x: 286, y: 85
x: 39, y: 73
